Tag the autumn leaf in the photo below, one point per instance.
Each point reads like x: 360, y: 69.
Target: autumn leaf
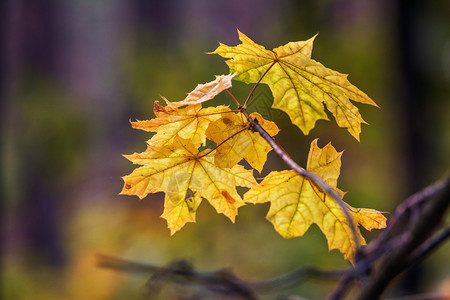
x: 299, y: 84
x: 186, y: 176
x: 181, y: 202
x: 190, y: 123
x: 232, y: 132
x: 205, y: 92
x: 296, y: 203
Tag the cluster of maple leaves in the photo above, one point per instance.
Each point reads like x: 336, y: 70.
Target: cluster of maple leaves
x: 178, y: 163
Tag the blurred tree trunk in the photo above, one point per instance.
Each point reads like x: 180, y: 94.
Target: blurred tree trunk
x: 410, y: 91
x: 32, y: 221
x: 91, y: 66
x: 75, y: 47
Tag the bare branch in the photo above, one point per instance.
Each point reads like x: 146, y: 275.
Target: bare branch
x: 343, y: 285
x: 423, y: 251
x: 180, y: 272
x: 221, y: 282
x: 427, y: 219
x: 434, y: 296
x: 388, y: 255
x: 375, y: 269
x: 322, y: 185
x: 412, y: 203
x: 294, y: 278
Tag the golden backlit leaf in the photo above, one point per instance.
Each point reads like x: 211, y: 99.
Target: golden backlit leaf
x: 180, y: 202
x: 299, y: 84
x: 368, y: 218
x: 205, y: 92
x: 190, y: 123
x: 186, y: 176
x: 238, y: 142
x: 296, y: 203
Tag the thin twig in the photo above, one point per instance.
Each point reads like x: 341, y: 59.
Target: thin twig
x: 182, y: 272
x: 218, y: 113
x: 118, y: 264
x: 342, y: 286
x: 294, y: 278
x: 257, y: 83
x: 220, y: 282
x: 322, y: 185
x: 223, y: 142
x: 433, y: 296
x: 232, y: 96
x: 423, y: 251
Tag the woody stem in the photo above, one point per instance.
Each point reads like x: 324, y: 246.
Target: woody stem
x: 256, y: 84
x: 322, y: 185
x: 223, y: 142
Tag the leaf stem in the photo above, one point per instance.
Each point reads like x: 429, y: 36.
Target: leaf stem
x: 219, y: 113
x: 232, y: 96
x: 223, y: 142
x: 257, y: 83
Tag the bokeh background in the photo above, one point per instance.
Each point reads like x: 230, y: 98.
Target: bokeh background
x: 74, y: 73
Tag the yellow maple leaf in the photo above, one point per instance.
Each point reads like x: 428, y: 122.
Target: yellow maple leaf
x: 190, y: 123
x: 237, y: 142
x: 205, y: 92
x: 296, y: 203
x: 299, y: 84
x: 186, y: 176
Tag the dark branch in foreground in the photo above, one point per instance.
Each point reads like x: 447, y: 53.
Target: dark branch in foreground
x: 412, y: 235
x: 220, y: 282
x: 409, y: 238
x: 294, y: 278
x: 434, y: 296
x: 425, y: 250
x: 414, y: 231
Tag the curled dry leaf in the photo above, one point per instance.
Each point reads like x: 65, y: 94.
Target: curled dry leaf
x: 205, y: 92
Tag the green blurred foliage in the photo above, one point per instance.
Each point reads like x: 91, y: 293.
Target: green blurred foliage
x: 62, y: 144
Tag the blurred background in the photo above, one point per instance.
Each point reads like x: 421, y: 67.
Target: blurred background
x: 74, y: 72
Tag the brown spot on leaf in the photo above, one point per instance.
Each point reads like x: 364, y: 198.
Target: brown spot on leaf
x: 128, y: 186
x: 228, y: 197
x: 189, y: 204
x: 227, y: 121
x: 158, y: 108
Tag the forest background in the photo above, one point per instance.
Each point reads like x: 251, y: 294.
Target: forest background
x: 75, y: 72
